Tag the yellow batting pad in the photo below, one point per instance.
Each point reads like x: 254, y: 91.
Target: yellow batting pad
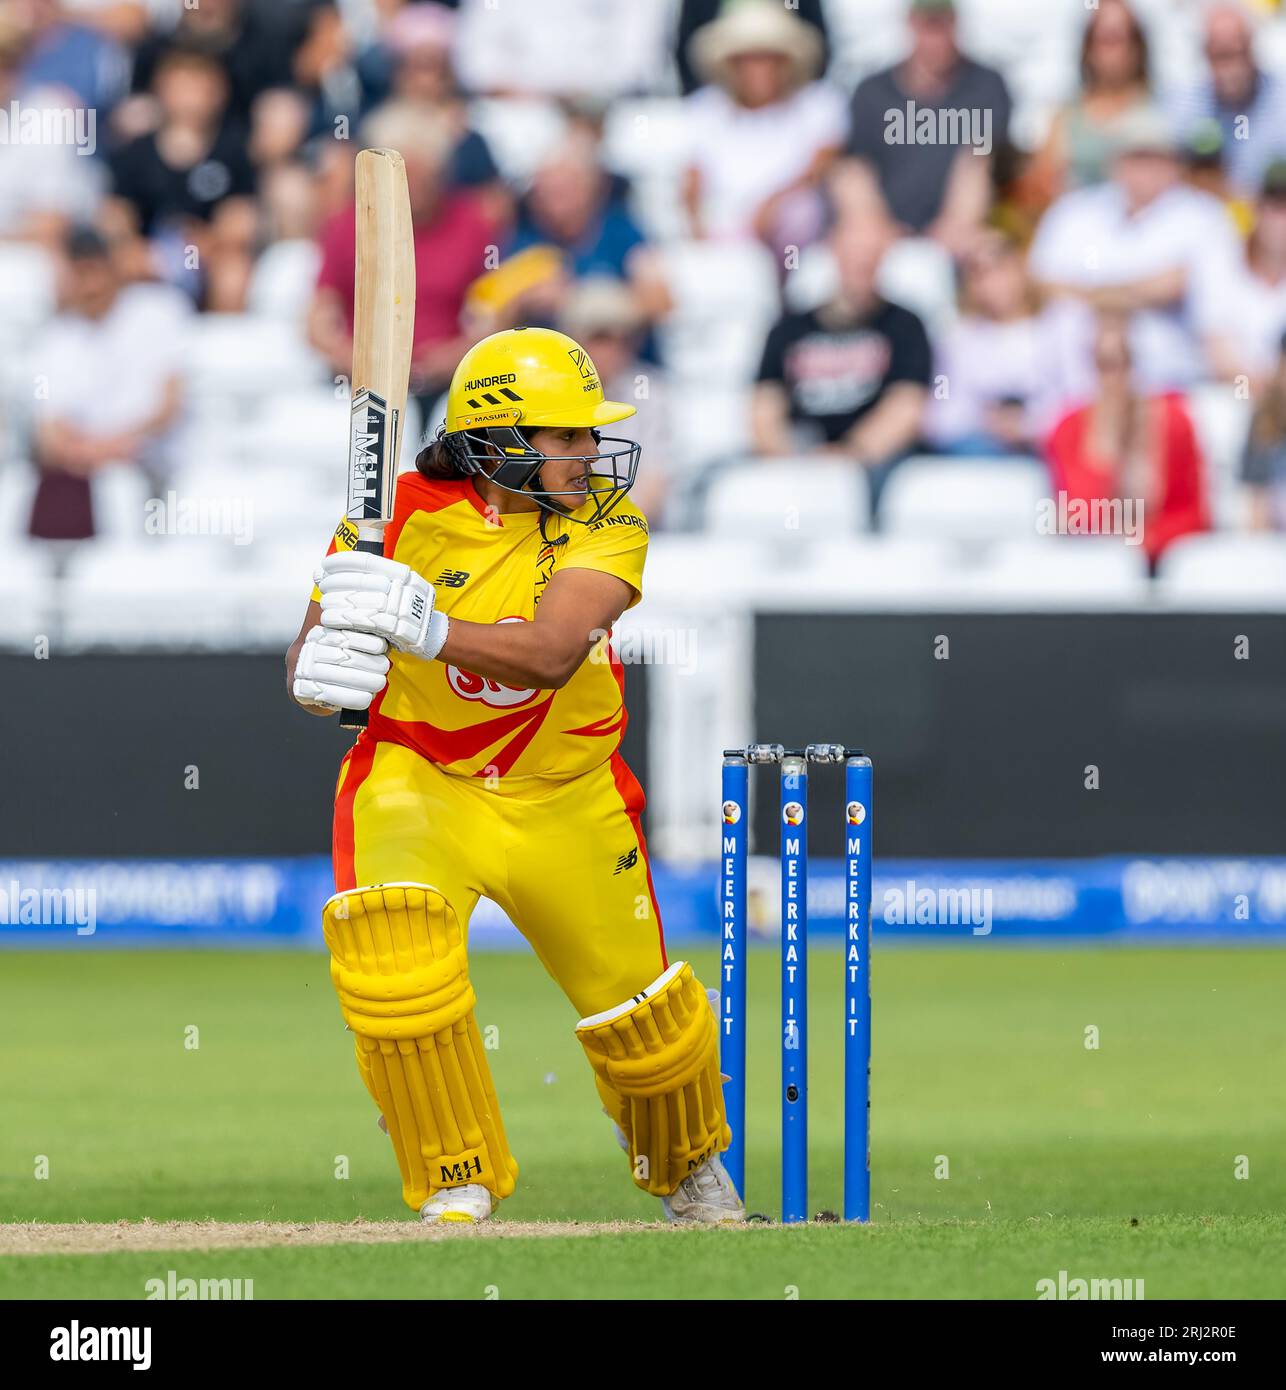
x: 656, y: 1059
x: 398, y: 964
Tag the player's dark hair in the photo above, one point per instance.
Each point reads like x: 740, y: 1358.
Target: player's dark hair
x: 437, y: 459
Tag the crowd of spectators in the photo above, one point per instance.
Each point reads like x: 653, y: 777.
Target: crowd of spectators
x: 1131, y: 253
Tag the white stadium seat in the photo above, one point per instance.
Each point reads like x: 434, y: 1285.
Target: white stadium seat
x: 1055, y: 572
x: 725, y: 302
x: 1214, y: 571
x: 788, y: 500
x: 236, y: 359
x: 916, y: 273
x: 170, y: 591
x: 709, y: 423
x: 520, y: 132
x: 281, y: 284
x: 1222, y: 423
x: 964, y: 499
x: 696, y: 571
x: 864, y: 572
x: 646, y: 135
x: 305, y: 432
x: 726, y: 575
x: 121, y: 495
x: 26, y: 287
x: 26, y: 592
x: 645, y: 139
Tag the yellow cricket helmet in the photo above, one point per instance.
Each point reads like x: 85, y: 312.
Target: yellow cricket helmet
x: 525, y: 379
x: 533, y: 377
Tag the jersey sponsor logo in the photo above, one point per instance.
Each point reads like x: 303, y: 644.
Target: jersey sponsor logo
x: 468, y: 685
x: 626, y: 861
x: 345, y: 536
x: 625, y: 519
x: 452, y: 579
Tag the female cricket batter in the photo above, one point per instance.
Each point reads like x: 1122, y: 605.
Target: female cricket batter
x: 490, y: 767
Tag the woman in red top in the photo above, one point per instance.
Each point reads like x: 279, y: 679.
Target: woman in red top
x: 1130, y: 446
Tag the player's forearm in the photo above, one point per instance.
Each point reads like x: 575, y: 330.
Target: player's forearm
x: 311, y: 618
x: 537, y: 655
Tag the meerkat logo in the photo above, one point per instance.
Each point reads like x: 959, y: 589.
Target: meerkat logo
x: 731, y: 813
x: 792, y: 813
x: 856, y: 813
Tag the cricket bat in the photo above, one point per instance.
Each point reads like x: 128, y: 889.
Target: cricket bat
x: 383, y: 322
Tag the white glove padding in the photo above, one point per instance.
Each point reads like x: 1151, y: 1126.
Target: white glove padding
x: 340, y: 670
x: 367, y: 593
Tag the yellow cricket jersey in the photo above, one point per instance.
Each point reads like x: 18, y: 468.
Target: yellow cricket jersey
x: 491, y: 568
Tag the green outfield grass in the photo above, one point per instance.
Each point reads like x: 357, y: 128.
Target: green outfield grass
x: 1055, y: 1151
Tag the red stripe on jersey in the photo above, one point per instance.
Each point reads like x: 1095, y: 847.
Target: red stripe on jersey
x: 354, y: 770
x: 455, y: 745
x: 634, y: 801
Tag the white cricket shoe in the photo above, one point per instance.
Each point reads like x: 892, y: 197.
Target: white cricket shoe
x: 706, y: 1196
x: 464, y: 1206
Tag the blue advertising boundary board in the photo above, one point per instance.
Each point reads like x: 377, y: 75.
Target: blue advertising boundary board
x: 277, y: 902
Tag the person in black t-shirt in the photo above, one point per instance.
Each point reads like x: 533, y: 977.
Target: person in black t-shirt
x: 253, y: 43
x: 850, y: 377
x: 189, y: 183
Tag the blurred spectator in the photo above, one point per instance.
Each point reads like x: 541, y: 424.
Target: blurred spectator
x: 83, y: 61
x: 1135, y: 246
x: 1248, y: 103
x: 939, y: 186
x: 604, y: 318
x: 988, y: 369
x: 185, y: 188
x: 280, y: 121
x: 1264, y: 462
x: 418, y: 41
x: 1113, y: 82
x: 1204, y: 168
x: 570, y: 207
x: 1242, y: 304
x: 1132, y: 445
x: 285, y: 271
x: 527, y: 287
x: 695, y: 14
x: 44, y: 187
x: 325, y: 71
x: 453, y: 236
x: 848, y: 378
x: 253, y: 43
x: 110, y: 394
x: 604, y: 48
x: 761, y: 134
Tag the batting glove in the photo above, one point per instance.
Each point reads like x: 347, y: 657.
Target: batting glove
x: 340, y: 670
x: 367, y: 593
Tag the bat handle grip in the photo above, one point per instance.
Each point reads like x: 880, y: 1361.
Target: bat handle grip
x: 357, y: 718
